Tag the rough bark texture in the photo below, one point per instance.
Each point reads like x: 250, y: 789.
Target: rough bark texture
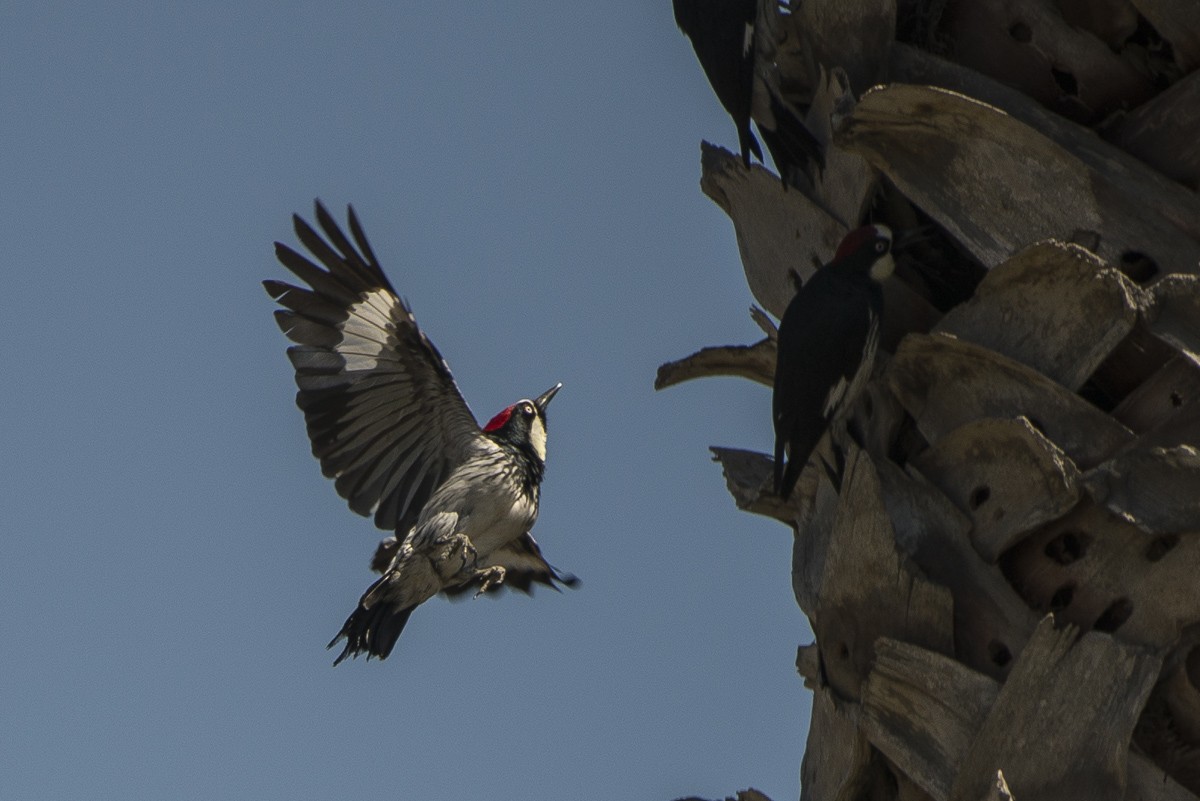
x: 1004, y: 586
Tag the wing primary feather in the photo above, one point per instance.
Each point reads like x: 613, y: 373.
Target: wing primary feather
x: 363, y: 245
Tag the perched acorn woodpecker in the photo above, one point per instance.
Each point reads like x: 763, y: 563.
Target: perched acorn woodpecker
x: 724, y: 34
x: 826, y: 347
x: 389, y: 425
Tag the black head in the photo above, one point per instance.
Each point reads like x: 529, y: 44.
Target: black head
x: 524, y: 423
x: 867, y: 249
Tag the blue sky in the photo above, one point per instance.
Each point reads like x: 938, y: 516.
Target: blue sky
x: 173, y: 562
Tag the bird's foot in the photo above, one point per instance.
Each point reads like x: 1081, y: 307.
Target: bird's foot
x: 491, y: 577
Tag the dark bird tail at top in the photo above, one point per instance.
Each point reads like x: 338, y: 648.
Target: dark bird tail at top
x: 791, y: 144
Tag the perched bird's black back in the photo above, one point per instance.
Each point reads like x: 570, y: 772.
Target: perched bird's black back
x: 826, y: 348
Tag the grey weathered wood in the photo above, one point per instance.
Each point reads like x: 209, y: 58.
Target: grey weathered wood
x: 1054, y: 307
x: 777, y: 231
x: 1095, y: 569
x: 810, y: 546
x: 837, y: 757
x: 948, y: 153
x: 1164, y: 131
x: 750, y: 476
x: 755, y: 362
x: 922, y: 710
x: 1110, y: 21
x: 1005, y: 476
x: 1020, y: 42
x: 1179, y: 24
x: 847, y: 185
x: 808, y: 664
x: 1175, y: 312
x: 1170, y: 725
x: 991, y: 622
x: 1157, y: 489
x: 945, y: 383
x: 1170, y: 392
x: 998, y: 791
x: 1072, y: 703
x: 1148, y: 782
x: 1121, y: 171
x: 828, y: 25
x: 868, y: 589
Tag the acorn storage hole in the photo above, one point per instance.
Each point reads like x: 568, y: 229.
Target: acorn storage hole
x: 999, y: 654
x: 1138, y: 266
x: 1020, y: 32
x: 1066, y: 81
x: 1114, y: 616
x: 1062, y: 597
x: 1161, y: 546
x: 1067, y: 547
x: 979, y: 496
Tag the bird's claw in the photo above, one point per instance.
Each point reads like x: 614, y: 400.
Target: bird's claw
x: 491, y: 577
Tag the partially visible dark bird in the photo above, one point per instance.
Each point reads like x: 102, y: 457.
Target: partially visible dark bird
x: 724, y: 34
x: 389, y: 425
x: 826, y: 348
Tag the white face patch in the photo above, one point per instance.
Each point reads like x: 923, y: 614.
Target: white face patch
x: 747, y: 39
x: 537, y: 437
x: 365, y: 331
x: 883, y: 268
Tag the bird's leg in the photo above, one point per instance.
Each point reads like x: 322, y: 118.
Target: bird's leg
x: 490, y: 577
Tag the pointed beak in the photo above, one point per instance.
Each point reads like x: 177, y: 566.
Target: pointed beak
x: 544, y: 399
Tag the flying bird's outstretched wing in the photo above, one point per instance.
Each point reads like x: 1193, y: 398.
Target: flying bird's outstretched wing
x: 384, y: 414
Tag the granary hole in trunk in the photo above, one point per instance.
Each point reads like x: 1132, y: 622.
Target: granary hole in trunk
x: 1138, y: 266
x: 1020, y: 32
x: 999, y: 654
x: 1066, y: 81
x: 1062, y: 597
x: 1068, y: 547
x: 1161, y: 546
x: 979, y: 496
x: 1114, y: 616
x: 1192, y: 665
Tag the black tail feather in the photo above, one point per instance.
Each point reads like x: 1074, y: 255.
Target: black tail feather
x: 791, y: 144
x: 371, y: 630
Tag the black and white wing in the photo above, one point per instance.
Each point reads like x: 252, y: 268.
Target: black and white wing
x: 385, y: 417
x: 524, y: 566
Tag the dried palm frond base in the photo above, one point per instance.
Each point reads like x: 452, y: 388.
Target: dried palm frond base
x: 1006, y: 582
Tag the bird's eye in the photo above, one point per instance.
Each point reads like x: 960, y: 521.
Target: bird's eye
x: 527, y: 410
x: 881, y: 246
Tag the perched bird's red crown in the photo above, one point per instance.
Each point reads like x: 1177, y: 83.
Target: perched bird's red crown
x: 855, y: 240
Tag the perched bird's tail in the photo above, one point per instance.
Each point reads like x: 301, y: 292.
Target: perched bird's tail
x: 785, y: 477
x: 373, y: 627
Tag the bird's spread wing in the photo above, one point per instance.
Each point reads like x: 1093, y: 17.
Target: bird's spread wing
x: 385, y: 417
x: 524, y: 566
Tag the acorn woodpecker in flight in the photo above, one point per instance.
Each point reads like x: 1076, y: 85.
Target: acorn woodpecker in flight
x: 724, y: 35
x: 826, y: 347
x: 389, y: 425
